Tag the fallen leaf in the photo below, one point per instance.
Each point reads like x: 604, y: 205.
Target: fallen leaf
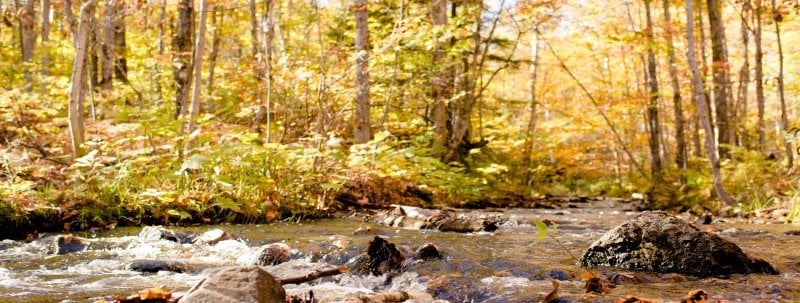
x: 594, y: 283
x: 696, y: 296
x: 635, y: 299
x: 552, y: 297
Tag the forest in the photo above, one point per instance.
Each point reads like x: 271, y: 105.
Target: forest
x: 184, y: 112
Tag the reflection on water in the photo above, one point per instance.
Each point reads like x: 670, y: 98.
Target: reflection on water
x: 508, y: 265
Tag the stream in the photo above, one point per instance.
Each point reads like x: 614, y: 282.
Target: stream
x: 507, y: 265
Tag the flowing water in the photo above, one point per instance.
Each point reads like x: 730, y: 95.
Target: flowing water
x: 508, y: 265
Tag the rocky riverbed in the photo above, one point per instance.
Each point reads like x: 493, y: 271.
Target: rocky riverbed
x: 486, y: 256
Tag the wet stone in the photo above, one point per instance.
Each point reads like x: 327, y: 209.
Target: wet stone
x: 658, y: 242
x: 381, y: 257
x: 214, y: 236
x: 429, y: 252
x: 67, y: 244
x: 273, y: 254
x: 795, y: 232
x: 238, y: 284
x: 153, y: 266
x: 156, y: 233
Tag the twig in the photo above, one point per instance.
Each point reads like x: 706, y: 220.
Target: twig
x: 314, y: 275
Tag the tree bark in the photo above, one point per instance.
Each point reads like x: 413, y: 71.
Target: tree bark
x: 680, y: 137
x: 121, y: 63
x: 217, y: 18
x: 182, y: 49
x: 45, y: 41
x: 26, y: 16
x: 529, y: 134
x: 107, y: 51
x: 161, y: 25
x: 777, y: 18
x: 652, y: 108
x: 269, y: 35
x: 362, y: 127
x: 719, y: 67
x: 760, y: 127
x: 699, y: 96
x: 440, y: 80
x: 197, y: 64
x: 740, y: 135
x: 77, y: 93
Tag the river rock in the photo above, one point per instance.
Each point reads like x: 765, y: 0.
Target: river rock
x: 67, y: 244
x: 156, y: 233
x: 153, y: 266
x: 658, y: 242
x: 273, y: 254
x: 381, y: 257
x: 429, y: 251
x: 238, y: 284
x: 214, y: 236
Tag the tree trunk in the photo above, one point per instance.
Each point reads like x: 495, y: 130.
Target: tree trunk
x: 652, y: 108
x: 121, y: 63
x: 107, y: 51
x: 529, y: 134
x: 744, y: 80
x: 162, y: 19
x: 760, y: 127
x: 27, y: 17
x: 680, y: 137
x: 362, y: 131
x: 77, y: 93
x: 719, y: 67
x: 269, y: 35
x: 182, y: 49
x: 197, y: 64
x: 777, y: 18
x: 217, y: 18
x: 440, y: 80
x: 45, y: 41
x: 253, y: 27
x: 699, y: 96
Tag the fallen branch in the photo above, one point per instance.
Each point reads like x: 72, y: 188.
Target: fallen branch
x: 314, y: 275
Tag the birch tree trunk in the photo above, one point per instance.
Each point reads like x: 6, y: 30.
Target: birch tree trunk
x: 77, y: 93
x: 362, y: 127
x: 197, y: 64
x: 530, y: 140
x: 700, y: 98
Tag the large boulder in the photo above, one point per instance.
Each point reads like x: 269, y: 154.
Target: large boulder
x: 238, y: 284
x: 658, y: 242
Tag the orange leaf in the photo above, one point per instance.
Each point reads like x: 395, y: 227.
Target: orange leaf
x: 155, y: 293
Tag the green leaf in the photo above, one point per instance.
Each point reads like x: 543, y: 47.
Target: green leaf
x: 542, y: 229
x: 179, y: 213
x: 194, y: 162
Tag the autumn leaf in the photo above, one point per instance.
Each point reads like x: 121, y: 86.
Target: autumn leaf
x: 553, y: 295
x: 696, y: 296
x: 155, y: 293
